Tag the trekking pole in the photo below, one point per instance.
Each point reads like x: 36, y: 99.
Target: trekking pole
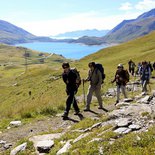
x: 84, y: 93
x: 133, y: 85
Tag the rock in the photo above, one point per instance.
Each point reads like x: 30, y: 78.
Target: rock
x: 44, y: 146
x: 47, y: 137
x: 134, y: 127
x: 123, y: 122
x: 15, y: 123
x: 122, y: 130
x: 19, y: 148
x: 100, y: 150
x: 65, y: 148
x: 2, y: 142
x: 144, y: 100
x: 7, y: 146
x: 96, y: 139
x: 80, y: 137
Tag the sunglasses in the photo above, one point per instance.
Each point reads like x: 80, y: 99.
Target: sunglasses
x: 65, y: 67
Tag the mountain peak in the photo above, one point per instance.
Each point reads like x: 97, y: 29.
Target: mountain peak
x: 150, y: 13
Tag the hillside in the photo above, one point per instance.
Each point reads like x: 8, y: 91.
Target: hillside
x: 11, y: 34
x: 131, y: 29
x: 39, y: 109
x: 126, y: 30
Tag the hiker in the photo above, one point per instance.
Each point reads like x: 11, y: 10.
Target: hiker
x: 132, y: 67
x: 145, y: 74
x: 129, y: 63
x: 69, y: 78
x: 121, y: 79
x: 95, y: 78
x: 138, y: 68
x: 150, y: 66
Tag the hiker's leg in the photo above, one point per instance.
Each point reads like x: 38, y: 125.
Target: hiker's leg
x: 76, y: 108
x: 69, y: 101
x: 145, y: 86
x: 89, y: 96
x: 123, y: 89
x: 118, y: 92
x: 98, y: 95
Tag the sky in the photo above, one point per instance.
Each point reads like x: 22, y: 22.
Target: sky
x: 52, y: 17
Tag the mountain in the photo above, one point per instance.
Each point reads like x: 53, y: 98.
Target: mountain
x: 11, y: 34
x: 131, y: 29
x: 80, y: 33
x: 125, y: 31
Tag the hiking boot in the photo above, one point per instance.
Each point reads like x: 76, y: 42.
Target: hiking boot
x: 86, y: 109
x: 77, y: 113
x: 103, y: 109
x: 65, y: 115
x: 100, y: 107
x: 116, y: 102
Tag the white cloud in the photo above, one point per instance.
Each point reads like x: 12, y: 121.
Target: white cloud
x: 145, y: 5
x: 126, y: 6
x: 76, y: 22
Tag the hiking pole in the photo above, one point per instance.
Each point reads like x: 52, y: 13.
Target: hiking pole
x: 133, y: 85
x: 84, y: 93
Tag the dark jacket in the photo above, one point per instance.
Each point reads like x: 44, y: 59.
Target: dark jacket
x: 70, y: 81
x: 120, y: 77
x: 145, y: 73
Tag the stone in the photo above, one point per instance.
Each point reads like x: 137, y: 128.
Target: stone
x: 80, y: 137
x: 134, y: 127
x: 122, y: 130
x: 44, y: 146
x: 65, y: 148
x: 19, y: 148
x: 123, y: 122
x: 15, y: 123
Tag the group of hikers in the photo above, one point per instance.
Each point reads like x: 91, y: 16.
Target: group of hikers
x: 96, y: 76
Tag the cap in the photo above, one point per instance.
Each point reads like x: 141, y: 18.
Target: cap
x: 120, y: 65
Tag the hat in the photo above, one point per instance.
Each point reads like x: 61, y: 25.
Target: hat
x: 120, y: 65
x: 65, y: 64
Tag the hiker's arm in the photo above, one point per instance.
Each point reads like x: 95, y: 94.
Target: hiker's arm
x: 88, y: 77
x: 114, y: 78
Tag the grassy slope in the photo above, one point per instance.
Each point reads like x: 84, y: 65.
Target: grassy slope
x: 48, y: 96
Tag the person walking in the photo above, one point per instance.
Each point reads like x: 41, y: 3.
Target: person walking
x: 70, y: 79
x: 121, y: 79
x: 145, y: 74
x: 95, y: 79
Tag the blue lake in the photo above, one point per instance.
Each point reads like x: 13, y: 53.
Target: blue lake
x: 73, y: 51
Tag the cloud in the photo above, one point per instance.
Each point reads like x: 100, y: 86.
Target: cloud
x: 80, y: 21
x: 145, y: 5
x: 126, y: 6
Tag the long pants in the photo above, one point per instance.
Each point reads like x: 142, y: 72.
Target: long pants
x: 71, y: 100
x: 97, y: 91
x: 144, y: 85
x: 121, y: 88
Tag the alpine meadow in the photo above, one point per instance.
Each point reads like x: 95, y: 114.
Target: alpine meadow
x: 32, y: 91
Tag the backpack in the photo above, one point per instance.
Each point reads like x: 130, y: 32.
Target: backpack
x: 127, y: 76
x: 78, y: 79
x: 101, y: 69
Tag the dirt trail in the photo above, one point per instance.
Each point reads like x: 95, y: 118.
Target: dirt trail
x: 49, y: 124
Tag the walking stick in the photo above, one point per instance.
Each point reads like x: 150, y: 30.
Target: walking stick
x: 133, y: 85
x: 84, y: 93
